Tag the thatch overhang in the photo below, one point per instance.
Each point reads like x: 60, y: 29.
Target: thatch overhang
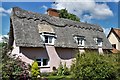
x: 26, y: 32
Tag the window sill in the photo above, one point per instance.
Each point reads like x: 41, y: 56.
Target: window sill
x: 100, y: 46
x: 81, y: 46
x: 44, y: 66
x: 49, y: 44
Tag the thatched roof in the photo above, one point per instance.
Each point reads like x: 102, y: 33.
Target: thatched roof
x: 24, y: 26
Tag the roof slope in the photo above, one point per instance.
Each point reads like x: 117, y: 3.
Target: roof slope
x: 116, y: 31
x: 26, y: 33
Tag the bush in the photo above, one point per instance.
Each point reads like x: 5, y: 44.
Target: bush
x: 92, y: 66
x: 35, y: 71
x: 15, y: 69
x: 60, y: 70
x: 66, y: 70
x: 45, y: 74
x: 63, y: 70
x: 12, y: 68
x: 54, y: 73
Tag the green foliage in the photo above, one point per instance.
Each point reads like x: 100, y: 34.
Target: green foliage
x: 4, y: 51
x: 69, y: 77
x: 15, y: 69
x: 118, y: 64
x: 66, y: 70
x: 92, y: 66
x: 63, y: 70
x: 35, y: 71
x: 60, y: 69
x: 12, y: 69
x: 45, y: 74
x: 64, y: 14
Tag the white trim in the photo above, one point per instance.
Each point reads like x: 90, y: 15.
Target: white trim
x: 42, y: 62
x: 81, y: 40
x: 98, y: 41
x: 49, y: 36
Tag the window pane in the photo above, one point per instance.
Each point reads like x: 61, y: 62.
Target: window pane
x: 39, y: 63
x: 114, y: 46
x: 99, y: 41
x: 50, y: 39
x: 46, y: 39
x: 78, y: 40
x: 45, y: 62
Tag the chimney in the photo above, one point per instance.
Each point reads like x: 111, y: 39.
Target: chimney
x: 53, y: 12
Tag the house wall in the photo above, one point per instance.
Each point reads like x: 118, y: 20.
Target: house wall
x: 118, y: 45
x: 113, y: 40
x: 34, y: 53
x: 15, y: 49
x: 16, y: 52
x: 55, y: 56
x: 66, y: 55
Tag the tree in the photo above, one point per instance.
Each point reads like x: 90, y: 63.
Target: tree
x: 64, y: 14
x: 92, y: 66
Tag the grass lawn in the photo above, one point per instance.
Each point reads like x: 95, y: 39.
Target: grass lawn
x: 59, y: 77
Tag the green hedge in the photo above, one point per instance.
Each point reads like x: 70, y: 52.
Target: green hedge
x: 92, y: 66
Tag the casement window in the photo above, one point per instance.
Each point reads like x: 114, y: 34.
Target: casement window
x: 48, y: 38
x: 42, y: 62
x: 98, y: 41
x: 114, y: 46
x: 39, y: 62
x: 80, y: 40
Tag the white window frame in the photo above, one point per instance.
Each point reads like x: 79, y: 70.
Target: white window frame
x: 50, y: 39
x: 42, y: 62
x: 53, y: 38
x: 98, y: 41
x: 80, y: 40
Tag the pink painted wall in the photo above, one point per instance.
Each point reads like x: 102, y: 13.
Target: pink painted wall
x: 33, y: 53
x: 66, y: 55
x: 55, y: 56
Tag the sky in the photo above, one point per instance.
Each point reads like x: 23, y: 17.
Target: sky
x: 103, y: 13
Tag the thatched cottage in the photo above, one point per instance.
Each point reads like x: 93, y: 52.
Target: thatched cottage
x: 51, y: 40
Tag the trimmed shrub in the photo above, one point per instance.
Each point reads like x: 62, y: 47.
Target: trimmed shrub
x: 92, y: 66
x: 35, y: 71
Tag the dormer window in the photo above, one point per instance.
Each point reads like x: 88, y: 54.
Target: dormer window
x: 98, y: 41
x: 48, y: 38
x: 80, y: 40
